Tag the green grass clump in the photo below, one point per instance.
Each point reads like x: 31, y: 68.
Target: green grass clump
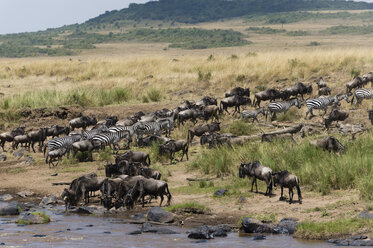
x: 45, y: 219
x: 240, y: 127
x: 105, y: 155
x: 332, y: 229
x: 188, y: 207
x: 154, y: 95
x: 297, y: 33
x: 265, y: 30
x: 290, y: 115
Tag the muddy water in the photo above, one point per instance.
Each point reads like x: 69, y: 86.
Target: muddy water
x: 87, y: 231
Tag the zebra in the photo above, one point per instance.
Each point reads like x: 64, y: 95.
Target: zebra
x: 152, y: 128
x: 63, y: 142
x: 278, y: 107
x: 88, y: 135
x: 112, y: 139
x: 323, y: 103
x: 253, y: 114
x: 130, y: 129
x: 361, y: 94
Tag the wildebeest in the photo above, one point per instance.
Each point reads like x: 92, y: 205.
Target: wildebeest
x: 238, y: 91
x: 20, y: 139
x: 269, y: 94
x: 149, y: 140
x: 9, y: 136
x: 109, y: 188
x: 55, y: 155
x: 325, y: 91
x: 298, y: 88
x: 329, y: 143
x: 207, y: 101
x: 80, y: 187
x: 210, y: 111
x: 233, y: 101
x: 82, y: 122
x: 253, y: 114
x: 148, y: 173
x: 37, y: 136
x: 82, y: 146
x: 133, y: 156
x: 321, y: 83
x: 257, y: 171
x: 357, y: 82
x: 189, y: 114
x: 146, y: 187
x: 201, y: 129
x: 56, y: 131
x: 123, y: 167
x: 123, y: 189
x: 335, y: 115
x: 173, y: 146
x: 287, y: 180
x: 368, y: 78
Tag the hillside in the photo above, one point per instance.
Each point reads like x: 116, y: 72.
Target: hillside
x: 193, y: 11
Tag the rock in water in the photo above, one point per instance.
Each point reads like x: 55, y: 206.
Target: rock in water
x: 9, y: 208
x: 48, y: 200
x: 286, y: 226
x: 147, y: 227
x: 6, y: 197
x: 259, y: 237
x: 157, y: 214
x: 251, y: 225
x: 34, y: 218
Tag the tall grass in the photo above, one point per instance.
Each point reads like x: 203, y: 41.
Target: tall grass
x: 317, y: 169
x: 81, y: 96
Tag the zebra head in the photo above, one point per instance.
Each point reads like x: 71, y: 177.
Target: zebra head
x: 343, y: 97
x: 296, y: 103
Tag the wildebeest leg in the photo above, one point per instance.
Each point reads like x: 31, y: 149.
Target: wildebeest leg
x: 160, y: 204
x: 32, y: 145
x: 282, y: 193
x: 256, y: 185
x: 171, y: 156
x: 252, y: 184
x: 290, y: 195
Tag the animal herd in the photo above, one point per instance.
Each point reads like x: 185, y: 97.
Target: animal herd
x: 133, y: 179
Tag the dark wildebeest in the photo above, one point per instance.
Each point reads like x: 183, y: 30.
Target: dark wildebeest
x: 82, y: 146
x: 210, y: 111
x: 133, y: 156
x: 109, y: 189
x: 148, y: 173
x: 269, y: 94
x: 238, y: 91
x: 55, y: 155
x: 9, y: 136
x: 257, y: 171
x: 189, y: 114
x: 123, y: 189
x: 83, y: 122
x: 329, y: 143
x: 357, y: 82
x: 37, y: 136
x: 321, y: 83
x: 149, y: 140
x: 201, y: 129
x: 56, y: 131
x: 335, y: 115
x: 233, y: 101
x: 20, y: 139
x: 173, y: 146
x: 207, y: 101
x: 252, y: 114
x: 368, y: 78
x: 123, y: 168
x: 80, y: 187
x: 219, y: 139
x: 287, y: 180
x: 146, y: 187
x: 127, y: 122
x: 326, y: 91
x: 298, y: 88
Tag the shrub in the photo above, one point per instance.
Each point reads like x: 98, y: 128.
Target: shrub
x: 240, y: 127
x: 154, y: 95
x: 314, y: 43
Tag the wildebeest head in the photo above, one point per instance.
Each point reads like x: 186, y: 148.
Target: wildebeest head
x: 214, y: 127
x: 109, y: 169
x: 243, y: 170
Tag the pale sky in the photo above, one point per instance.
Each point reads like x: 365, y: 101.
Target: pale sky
x: 34, y: 15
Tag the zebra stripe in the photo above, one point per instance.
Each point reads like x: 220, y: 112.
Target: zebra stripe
x: 320, y: 103
x: 88, y: 135
x: 278, y: 107
x: 111, y: 138
x: 65, y: 142
x: 152, y: 128
x: 361, y: 94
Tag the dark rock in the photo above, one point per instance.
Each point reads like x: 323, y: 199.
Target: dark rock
x: 147, y: 227
x: 220, y: 192
x: 19, y: 154
x: 251, y: 225
x: 225, y: 228
x: 25, y: 193
x: 88, y: 210
x: 2, y: 157
x: 2, y: 243
x: 137, y: 216
x: 54, y: 175
x: 107, y: 232
x: 48, y: 200
x: 157, y: 214
x: 79, y: 228
x: 366, y: 215
x: 200, y: 235
x: 358, y: 237
x: 136, y: 232
x: 259, y: 237
x: 90, y: 225
x: 220, y: 233
x: 9, y: 208
x: 163, y: 230
x: 6, y: 197
x: 359, y: 240
x: 39, y: 235
x: 286, y: 226
x: 199, y: 241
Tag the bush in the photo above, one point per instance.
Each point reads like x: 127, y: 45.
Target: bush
x: 239, y: 127
x: 297, y: 33
x: 154, y: 95
x: 314, y: 43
